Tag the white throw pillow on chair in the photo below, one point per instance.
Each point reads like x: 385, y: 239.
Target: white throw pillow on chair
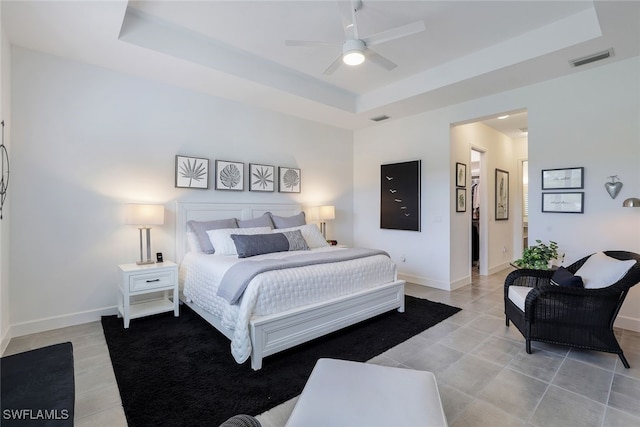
x: 600, y: 270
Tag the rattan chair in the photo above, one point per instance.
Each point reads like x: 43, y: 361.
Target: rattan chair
x: 575, y: 317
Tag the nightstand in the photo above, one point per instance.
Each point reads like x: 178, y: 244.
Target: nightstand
x: 137, y: 280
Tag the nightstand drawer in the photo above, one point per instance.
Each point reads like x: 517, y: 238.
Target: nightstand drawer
x: 152, y: 280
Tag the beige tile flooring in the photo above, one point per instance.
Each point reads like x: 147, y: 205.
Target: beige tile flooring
x: 484, y: 375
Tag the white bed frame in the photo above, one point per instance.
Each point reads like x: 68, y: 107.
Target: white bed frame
x: 277, y: 332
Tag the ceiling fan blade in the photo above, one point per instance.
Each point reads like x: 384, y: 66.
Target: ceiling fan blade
x: 394, y: 33
x: 333, y: 67
x: 308, y: 43
x: 380, y: 60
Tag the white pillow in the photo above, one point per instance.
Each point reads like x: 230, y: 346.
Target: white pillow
x: 311, y: 234
x: 192, y: 242
x: 600, y: 270
x: 223, y: 243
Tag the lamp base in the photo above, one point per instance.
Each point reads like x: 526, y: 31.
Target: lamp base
x: 149, y: 261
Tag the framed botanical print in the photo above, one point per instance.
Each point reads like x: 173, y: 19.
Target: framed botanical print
x: 192, y: 172
x: 502, y: 195
x: 461, y: 199
x: 461, y: 175
x: 289, y: 180
x: 229, y: 175
x: 261, y: 177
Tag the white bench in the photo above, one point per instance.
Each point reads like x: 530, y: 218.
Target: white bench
x: 345, y: 393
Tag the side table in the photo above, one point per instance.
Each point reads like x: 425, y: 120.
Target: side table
x: 137, y: 279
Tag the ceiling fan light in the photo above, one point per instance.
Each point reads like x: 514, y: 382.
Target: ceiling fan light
x: 353, y: 57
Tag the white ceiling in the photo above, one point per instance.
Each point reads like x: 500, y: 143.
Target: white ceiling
x: 236, y: 49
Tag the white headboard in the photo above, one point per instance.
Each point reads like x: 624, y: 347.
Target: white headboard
x: 205, y: 211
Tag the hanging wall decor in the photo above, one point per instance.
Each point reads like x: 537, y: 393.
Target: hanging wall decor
x: 461, y: 175
x: 614, y: 186
x: 192, y: 172
x: 563, y: 179
x: 570, y: 202
x: 4, y: 180
x: 461, y: 199
x: 289, y: 180
x: 502, y: 195
x: 400, y: 196
x: 261, y: 177
x: 229, y: 175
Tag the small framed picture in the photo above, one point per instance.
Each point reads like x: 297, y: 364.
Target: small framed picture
x: 461, y: 175
x: 261, y: 177
x: 563, y: 202
x: 461, y: 199
x: 289, y: 180
x: 502, y: 195
x: 192, y: 172
x: 563, y: 179
x: 229, y: 175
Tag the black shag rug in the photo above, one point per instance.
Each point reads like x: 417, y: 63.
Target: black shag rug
x: 180, y: 372
x: 38, y: 387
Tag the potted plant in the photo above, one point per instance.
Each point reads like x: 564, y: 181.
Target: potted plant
x: 538, y: 257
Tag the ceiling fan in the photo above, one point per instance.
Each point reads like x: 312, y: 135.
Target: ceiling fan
x: 356, y: 48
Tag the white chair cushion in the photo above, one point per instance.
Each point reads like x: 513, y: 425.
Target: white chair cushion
x: 517, y: 295
x: 600, y: 270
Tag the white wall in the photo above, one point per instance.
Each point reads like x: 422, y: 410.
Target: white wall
x: 589, y: 119
x: 88, y: 140
x: 5, y: 114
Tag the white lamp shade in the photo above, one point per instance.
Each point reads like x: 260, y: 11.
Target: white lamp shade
x: 327, y: 212
x: 144, y: 214
x: 322, y: 213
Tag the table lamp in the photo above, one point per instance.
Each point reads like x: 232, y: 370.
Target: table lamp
x: 322, y: 214
x: 144, y: 216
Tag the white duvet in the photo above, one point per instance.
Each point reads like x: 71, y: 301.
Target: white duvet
x: 276, y: 291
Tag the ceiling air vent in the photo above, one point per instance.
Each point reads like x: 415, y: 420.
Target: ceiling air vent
x: 380, y: 118
x: 591, y: 58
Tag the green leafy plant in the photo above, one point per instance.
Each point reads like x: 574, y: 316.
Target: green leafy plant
x: 537, y: 257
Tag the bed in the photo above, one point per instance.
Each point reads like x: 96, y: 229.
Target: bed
x: 269, y: 318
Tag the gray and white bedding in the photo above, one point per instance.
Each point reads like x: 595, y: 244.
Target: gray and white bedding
x: 279, y: 290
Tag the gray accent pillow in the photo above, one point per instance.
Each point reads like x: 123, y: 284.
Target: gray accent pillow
x: 288, y: 221
x: 258, y: 244
x: 199, y: 228
x: 296, y: 240
x: 261, y: 221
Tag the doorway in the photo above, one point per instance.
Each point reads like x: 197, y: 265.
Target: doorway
x: 478, y: 227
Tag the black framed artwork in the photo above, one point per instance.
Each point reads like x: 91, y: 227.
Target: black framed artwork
x: 502, y: 195
x: 261, y: 177
x: 229, y: 175
x: 461, y: 199
x: 563, y: 202
x: 563, y: 179
x: 400, y: 196
x: 461, y: 175
x: 192, y: 172
x: 289, y: 180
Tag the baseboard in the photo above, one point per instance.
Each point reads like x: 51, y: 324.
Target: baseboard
x: 425, y: 282
x: 63, y: 321
x: 4, y: 342
x: 626, y: 322
x: 498, y: 268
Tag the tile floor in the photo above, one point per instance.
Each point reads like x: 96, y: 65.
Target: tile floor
x: 484, y: 375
